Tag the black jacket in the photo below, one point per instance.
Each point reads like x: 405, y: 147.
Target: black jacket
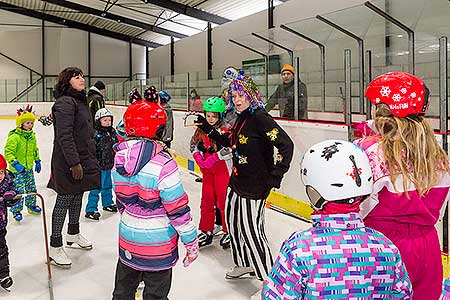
x: 105, y: 138
x: 284, y: 97
x: 95, y: 101
x: 73, y: 144
x: 252, y: 139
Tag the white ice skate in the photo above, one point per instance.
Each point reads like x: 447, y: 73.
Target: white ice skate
x: 59, y: 258
x: 237, y: 272
x: 78, y: 239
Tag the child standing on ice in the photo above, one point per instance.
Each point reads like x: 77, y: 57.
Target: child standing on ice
x: 22, y: 154
x: 338, y: 257
x: 153, y: 206
x: 215, y: 163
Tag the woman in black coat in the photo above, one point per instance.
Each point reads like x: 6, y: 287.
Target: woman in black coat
x: 74, y: 167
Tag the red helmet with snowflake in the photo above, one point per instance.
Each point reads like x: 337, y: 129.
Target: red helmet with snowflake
x: 405, y: 94
x: 3, y: 163
x: 145, y: 119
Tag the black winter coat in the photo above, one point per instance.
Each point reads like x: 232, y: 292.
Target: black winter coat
x: 73, y: 144
x: 105, y: 138
x: 252, y: 139
x: 95, y: 101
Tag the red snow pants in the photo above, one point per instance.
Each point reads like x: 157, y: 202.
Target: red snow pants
x: 214, y: 193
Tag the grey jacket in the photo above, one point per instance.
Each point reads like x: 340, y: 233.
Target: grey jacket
x: 284, y: 97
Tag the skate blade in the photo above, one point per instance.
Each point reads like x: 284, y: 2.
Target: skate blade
x: 6, y: 289
x: 52, y: 262
x: 243, y: 276
x: 77, y: 246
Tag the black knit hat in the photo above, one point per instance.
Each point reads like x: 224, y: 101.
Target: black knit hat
x: 100, y: 85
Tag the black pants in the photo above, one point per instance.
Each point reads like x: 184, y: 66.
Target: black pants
x: 4, y: 261
x: 64, y: 203
x: 157, y: 284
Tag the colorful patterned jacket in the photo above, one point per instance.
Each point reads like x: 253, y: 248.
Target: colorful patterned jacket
x: 338, y: 258
x: 153, y: 206
x: 446, y: 290
x: 21, y: 145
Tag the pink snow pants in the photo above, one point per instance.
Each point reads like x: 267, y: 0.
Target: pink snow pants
x: 421, y: 254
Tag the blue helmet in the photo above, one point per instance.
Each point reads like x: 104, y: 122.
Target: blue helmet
x: 164, y: 97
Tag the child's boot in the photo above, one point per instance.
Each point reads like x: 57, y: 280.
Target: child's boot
x: 58, y: 257
x: 17, y: 216
x: 95, y: 216
x: 34, y: 210
x: 225, y: 241
x: 6, y: 283
x: 80, y: 240
x: 205, y: 238
x: 110, y: 208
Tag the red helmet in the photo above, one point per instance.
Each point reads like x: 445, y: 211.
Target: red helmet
x: 143, y: 118
x: 3, y: 163
x: 405, y: 94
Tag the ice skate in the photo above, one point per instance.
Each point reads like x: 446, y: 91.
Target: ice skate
x: 110, y: 208
x: 218, y: 230
x: 6, y: 283
x: 59, y: 258
x: 205, y: 238
x: 225, y: 241
x: 78, y: 239
x: 35, y: 210
x: 95, y: 216
x: 237, y: 272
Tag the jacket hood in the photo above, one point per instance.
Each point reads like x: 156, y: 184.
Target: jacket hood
x: 80, y: 95
x: 94, y: 90
x: 133, y: 154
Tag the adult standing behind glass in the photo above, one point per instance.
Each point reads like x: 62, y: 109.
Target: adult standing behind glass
x: 284, y: 96
x: 74, y: 167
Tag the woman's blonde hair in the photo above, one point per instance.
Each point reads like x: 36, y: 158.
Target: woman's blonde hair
x: 410, y: 148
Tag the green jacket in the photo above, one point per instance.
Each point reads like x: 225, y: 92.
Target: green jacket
x: 21, y: 145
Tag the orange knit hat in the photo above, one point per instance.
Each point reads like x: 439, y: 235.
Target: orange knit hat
x: 287, y: 67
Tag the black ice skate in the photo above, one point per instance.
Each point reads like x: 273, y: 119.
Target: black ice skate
x: 205, y: 238
x: 6, y: 283
x: 225, y: 241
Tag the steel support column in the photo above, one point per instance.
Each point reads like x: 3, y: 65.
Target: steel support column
x: 172, y: 58
x: 266, y: 58
x: 270, y: 11
x: 289, y: 51
x: 209, y: 50
x: 322, y: 59
x: 361, y: 57
x: 348, y: 92
x: 409, y: 31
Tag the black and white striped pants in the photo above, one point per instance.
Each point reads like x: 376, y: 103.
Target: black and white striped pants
x: 249, y: 245
x: 64, y: 203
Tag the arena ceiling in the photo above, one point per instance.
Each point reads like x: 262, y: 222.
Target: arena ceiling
x: 151, y: 23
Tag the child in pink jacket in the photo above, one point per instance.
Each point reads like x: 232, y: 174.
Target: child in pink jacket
x: 411, y: 178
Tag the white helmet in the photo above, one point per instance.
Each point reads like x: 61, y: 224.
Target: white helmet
x: 335, y: 170
x: 229, y: 74
x: 103, y: 112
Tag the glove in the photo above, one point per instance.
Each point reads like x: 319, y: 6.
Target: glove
x: 37, y: 167
x: 201, y: 147
x: 77, y: 172
x: 204, y: 125
x: 8, y: 196
x: 225, y: 154
x: 274, y: 181
x: 191, y: 252
x: 18, y: 166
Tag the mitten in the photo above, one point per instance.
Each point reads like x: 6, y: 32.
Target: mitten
x: 274, y: 181
x: 225, y: 154
x: 18, y: 166
x: 204, y: 125
x: 37, y: 167
x: 191, y: 252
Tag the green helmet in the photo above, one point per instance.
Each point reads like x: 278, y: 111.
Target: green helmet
x: 214, y: 104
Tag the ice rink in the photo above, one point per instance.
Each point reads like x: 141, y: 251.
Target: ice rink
x: 92, y: 272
